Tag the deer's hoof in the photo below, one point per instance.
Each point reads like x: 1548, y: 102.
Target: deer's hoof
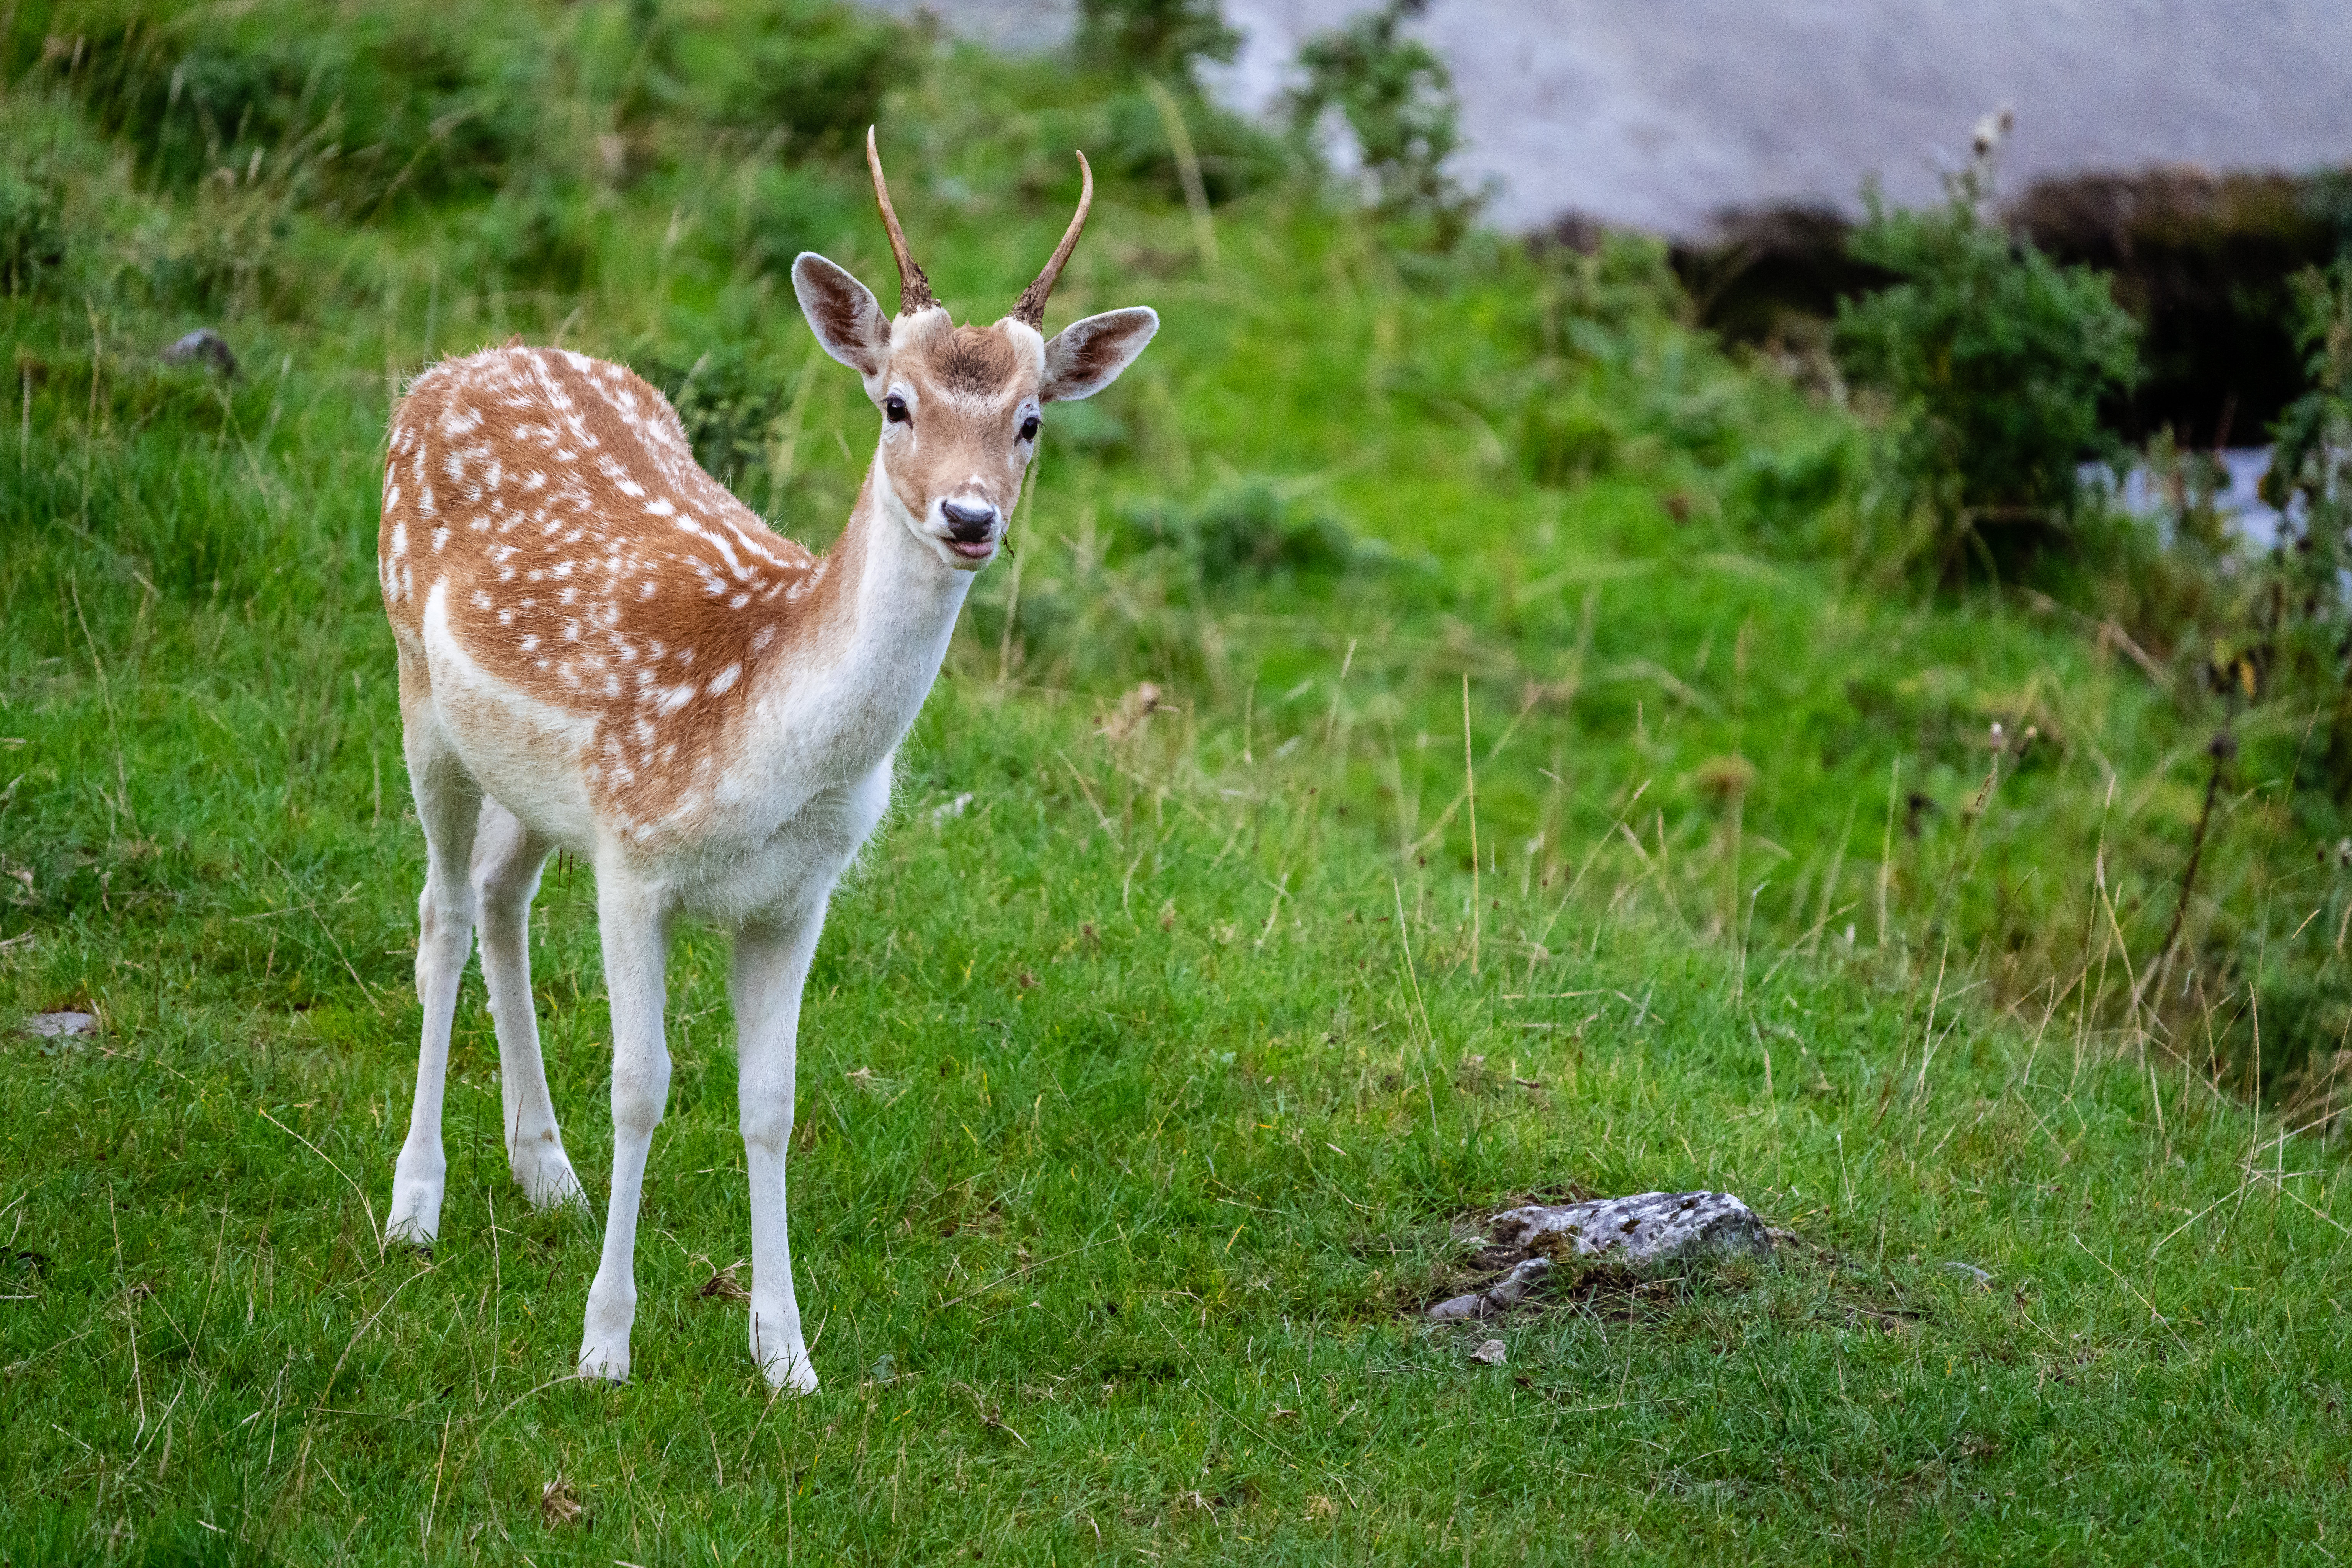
x: 546, y: 1176
x: 415, y: 1217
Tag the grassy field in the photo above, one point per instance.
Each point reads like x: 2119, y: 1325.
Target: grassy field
x: 1536, y: 801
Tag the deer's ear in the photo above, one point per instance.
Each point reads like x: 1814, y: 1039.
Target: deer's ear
x: 1087, y: 356
x: 842, y: 313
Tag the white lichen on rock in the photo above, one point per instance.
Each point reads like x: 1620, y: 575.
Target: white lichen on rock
x: 1645, y: 1229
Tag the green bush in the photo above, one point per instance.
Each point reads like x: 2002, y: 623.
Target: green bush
x: 1397, y: 99
x: 730, y: 402
x: 1995, y: 360
x: 1153, y: 37
x: 1244, y: 529
x: 2300, y: 639
x: 816, y: 67
x: 538, y: 231
x: 1784, y: 487
x: 1566, y: 439
x: 1234, y: 155
x: 375, y: 102
x: 32, y: 238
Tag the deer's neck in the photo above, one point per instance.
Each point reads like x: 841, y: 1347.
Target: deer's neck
x: 834, y: 702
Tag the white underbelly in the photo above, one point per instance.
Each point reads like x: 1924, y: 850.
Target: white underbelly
x: 524, y: 754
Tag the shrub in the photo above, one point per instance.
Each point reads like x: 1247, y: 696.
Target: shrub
x: 1242, y: 528
x: 1566, y: 439
x: 1782, y: 486
x: 32, y: 238
x: 816, y: 67
x: 1234, y: 155
x: 1397, y: 97
x: 538, y: 230
x: 377, y: 100
x: 2300, y: 635
x: 1994, y: 359
x: 1164, y: 38
x: 729, y: 404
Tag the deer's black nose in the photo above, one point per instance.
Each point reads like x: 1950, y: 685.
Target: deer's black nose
x: 968, y: 524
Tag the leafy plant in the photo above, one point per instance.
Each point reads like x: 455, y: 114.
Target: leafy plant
x: 1564, y: 440
x: 1246, y: 528
x: 2300, y: 626
x: 1995, y: 360
x: 32, y: 238
x: 729, y: 404
x: 1164, y: 38
x: 1397, y: 97
x: 377, y: 105
x: 816, y: 67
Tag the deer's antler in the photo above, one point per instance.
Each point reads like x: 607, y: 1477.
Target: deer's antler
x: 914, y: 289
x: 1031, y: 306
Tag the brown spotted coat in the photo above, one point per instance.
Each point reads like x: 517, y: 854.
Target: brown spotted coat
x: 590, y: 562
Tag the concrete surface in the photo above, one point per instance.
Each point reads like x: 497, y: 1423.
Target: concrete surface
x: 1661, y: 114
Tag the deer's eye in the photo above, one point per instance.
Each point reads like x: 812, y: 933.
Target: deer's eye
x: 894, y: 409
x: 1029, y: 428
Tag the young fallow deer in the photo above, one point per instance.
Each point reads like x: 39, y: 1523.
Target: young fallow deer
x: 601, y: 650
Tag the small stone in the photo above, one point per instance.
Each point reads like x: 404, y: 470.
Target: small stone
x: 206, y: 344
x: 50, y: 1026
x: 1501, y: 1296
x: 1491, y: 1353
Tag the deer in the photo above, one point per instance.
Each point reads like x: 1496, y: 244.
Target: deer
x: 602, y: 651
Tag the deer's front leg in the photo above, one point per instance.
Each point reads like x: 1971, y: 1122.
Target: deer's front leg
x: 634, y: 927
x: 772, y: 961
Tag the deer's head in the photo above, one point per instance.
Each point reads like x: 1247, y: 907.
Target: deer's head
x: 961, y: 406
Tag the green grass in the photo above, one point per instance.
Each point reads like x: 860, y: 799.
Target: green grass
x: 1147, y: 1096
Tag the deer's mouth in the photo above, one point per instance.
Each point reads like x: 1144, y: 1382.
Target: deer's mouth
x: 973, y: 548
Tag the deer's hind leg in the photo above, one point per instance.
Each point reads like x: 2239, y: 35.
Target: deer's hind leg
x: 448, y: 802
x: 507, y: 860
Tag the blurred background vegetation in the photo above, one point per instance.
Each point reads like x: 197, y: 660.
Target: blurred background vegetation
x: 1920, y: 698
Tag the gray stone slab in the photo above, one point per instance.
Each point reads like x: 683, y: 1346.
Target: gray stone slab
x: 1644, y: 1230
